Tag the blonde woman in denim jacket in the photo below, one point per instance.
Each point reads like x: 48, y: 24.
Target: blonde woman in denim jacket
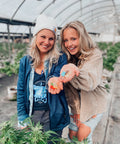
x: 44, y: 61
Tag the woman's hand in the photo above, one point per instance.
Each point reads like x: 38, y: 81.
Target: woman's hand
x: 68, y: 72
x: 22, y: 125
x: 55, y: 85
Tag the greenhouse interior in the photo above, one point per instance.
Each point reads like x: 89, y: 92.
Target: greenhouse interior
x: 101, y: 19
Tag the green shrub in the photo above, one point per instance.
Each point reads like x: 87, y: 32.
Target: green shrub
x: 4, y: 50
x: 112, y: 54
x: 102, y: 45
x: 9, y: 68
x: 9, y: 134
x: 107, y: 87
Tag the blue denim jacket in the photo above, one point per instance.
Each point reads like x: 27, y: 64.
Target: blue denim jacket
x: 59, y: 113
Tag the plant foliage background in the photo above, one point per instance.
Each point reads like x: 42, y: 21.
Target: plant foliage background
x: 110, y: 54
x: 10, y: 60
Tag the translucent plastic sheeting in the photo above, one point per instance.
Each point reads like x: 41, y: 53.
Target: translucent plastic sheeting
x: 98, y: 15
x: 14, y: 28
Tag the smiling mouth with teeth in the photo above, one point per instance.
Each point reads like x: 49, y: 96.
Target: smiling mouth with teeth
x: 71, y: 48
x: 45, y: 47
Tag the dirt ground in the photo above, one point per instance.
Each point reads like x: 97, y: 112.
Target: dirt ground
x: 7, y: 108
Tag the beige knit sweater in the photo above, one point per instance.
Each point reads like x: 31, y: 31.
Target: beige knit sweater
x: 93, y: 95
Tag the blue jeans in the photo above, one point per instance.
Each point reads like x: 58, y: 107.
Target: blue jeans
x: 92, y: 123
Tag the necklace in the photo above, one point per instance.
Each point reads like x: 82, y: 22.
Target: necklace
x: 40, y: 69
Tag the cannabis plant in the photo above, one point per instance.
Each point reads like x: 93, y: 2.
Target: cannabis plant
x: 33, y: 134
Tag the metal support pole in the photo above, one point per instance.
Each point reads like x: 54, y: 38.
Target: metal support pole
x: 30, y: 34
x: 8, y: 29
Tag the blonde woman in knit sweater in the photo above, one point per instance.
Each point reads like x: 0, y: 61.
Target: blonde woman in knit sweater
x: 82, y: 76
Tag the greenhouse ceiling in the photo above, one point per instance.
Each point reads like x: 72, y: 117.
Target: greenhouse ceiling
x: 99, y: 16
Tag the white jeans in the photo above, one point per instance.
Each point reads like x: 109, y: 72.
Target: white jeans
x: 92, y: 123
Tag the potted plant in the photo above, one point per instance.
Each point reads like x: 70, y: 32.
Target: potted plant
x: 12, y: 93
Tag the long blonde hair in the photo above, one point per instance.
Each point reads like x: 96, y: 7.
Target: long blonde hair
x: 85, y: 41
x: 52, y: 56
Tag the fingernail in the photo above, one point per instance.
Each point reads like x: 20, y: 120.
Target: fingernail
x: 63, y: 73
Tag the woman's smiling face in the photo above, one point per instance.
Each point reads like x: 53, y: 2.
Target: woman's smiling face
x: 45, y: 40
x: 71, y: 41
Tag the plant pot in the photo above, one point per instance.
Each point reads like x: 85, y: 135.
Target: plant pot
x: 12, y: 93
